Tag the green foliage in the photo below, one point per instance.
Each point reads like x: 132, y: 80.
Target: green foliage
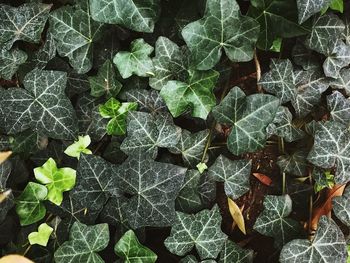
x: 42, y: 236
x: 79, y: 147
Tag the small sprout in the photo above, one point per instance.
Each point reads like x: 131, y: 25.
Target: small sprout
x: 202, y: 167
x: 78, y: 147
x: 42, y: 236
x: 327, y: 182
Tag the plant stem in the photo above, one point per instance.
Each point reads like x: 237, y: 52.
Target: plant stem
x: 27, y: 249
x: 309, y: 232
x: 258, y: 71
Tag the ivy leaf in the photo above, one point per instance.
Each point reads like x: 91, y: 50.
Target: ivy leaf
x: 147, y: 132
x: 339, y: 107
x: 201, y: 230
x: 343, y: 81
x: 74, y: 32
x: 114, y: 212
x: 117, y: 112
x: 137, y: 15
x: 222, y: 28
x: 283, y: 127
x: 191, y: 146
x: 57, y: 180
x: 327, y: 246
x: 341, y: 206
x: 250, y: 116
x: 29, y: 205
x: 338, y: 56
x: 235, y: 175
x: 42, y: 236
x: 137, y: 61
x: 10, y: 62
x: 234, y: 253
x: 295, y: 163
x: 196, y: 94
x: 153, y: 187
x: 105, y: 83
x: 304, y: 57
x: 274, y: 221
x: 130, y: 249
x: 307, y: 8
x: 192, y: 259
x: 147, y: 100
x: 78, y: 147
x: 325, y: 30
x: 96, y: 181
x: 332, y: 149
x: 273, y: 25
x: 45, y: 54
x: 197, y: 192
x: 42, y: 106
x: 169, y: 63
x: 279, y: 80
x: 84, y: 243
x: 8, y: 202
x: 25, y: 22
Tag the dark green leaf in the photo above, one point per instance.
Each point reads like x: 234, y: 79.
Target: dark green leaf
x: 343, y: 81
x: 307, y: 8
x: 147, y: 100
x: 233, y: 253
x: 339, y: 107
x: 341, y: 206
x: 294, y: 164
x: 10, y: 61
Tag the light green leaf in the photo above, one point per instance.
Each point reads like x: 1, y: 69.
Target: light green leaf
x: 105, y: 83
x: 29, y: 205
x: 339, y: 107
x: 147, y: 132
x: 196, y: 94
x: 137, y: 61
x: 327, y: 246
x: 222, y: 28
x: 25, y: 22
x: 130, y: 249
x: 341, y: 207
x: 201, y: 167
x: 117, y: 112
x: 250, y: 116
x: 42, y: 236
x: 274, y: 222
x: 332, y: 149
x: 191, y: 146
x: 10, y: 62
x: 234, y: 174
x: 42, y: 106
x: 83, y: 244
x: 137, y: 15
x: 234, y: 253
x: 57, y: 180
x: 307, y: 8
x: 337, y: 5
x: 78, y: 147
x: 323, y: 179
x: 201, y: 230
x: 75, y: 32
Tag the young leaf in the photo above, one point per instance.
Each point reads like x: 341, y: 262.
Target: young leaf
x: 339, y: 107
x: 222, y: 28
x: 42, y: 106
x: 117, y: 112
x: 235, y: 175
x: 201, y: 230
x: 276, y: 19
x: 130, y: 249
x: 29, y: 205
x: 196, y: 94
x: 294, y: 164
x: 74, y: 32
x: 234, y: 253
x: 169, y: 63
x: 10, y: 62
x: 307, y: 8
x: 84, y: 243
x: 328, y: 246
x: 57, y: 180
x: 25, y: 22
x: 341, y: 207
x: 323, y: 179
x: 96, y: 181
x: 274, y: 221
x: 147, y: 132
x: 191, y: 146
x: 106, y: 82
x: 136, y: 15
x: 42, y: 236
x: 250, y: 116
x: 78, y: 147
x: 137, y: 61
x: 6, y: 196
x: 153, y: 187
x: 332, y: 149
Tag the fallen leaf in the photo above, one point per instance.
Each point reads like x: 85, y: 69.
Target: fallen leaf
x: 15, y: 259
x: 264, y: 179
x: 4, y: 195
x: 236, y: 214
x: 325, y: 207
x: 4, y: 156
